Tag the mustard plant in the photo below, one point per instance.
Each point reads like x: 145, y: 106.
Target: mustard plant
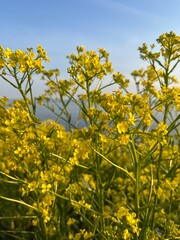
x: 114, y: 174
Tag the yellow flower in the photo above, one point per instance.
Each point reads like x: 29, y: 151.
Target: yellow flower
x: 122, y: 127
x: 130, y: 218
x: 162, y: 129
x: 2, y: 63
x: 45, y: 215
x: 71, y: 221
x: 46, y: 187
x: 33, y: 186
x: 8, y: 52
x: 124, y: 139
x: 126, y: 234
x: 35, y: 222
x: 122, y: 211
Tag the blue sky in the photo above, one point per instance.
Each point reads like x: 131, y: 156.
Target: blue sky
x: 119, y: 26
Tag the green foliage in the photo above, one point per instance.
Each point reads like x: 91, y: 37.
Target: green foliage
x: 115, y: 178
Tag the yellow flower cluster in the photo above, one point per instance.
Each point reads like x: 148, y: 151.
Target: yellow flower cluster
x: 130, y: 219
x: 24, y: 60
x: 87, y: 65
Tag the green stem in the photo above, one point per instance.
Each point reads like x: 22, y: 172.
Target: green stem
x: 99, y: 186
x: 137, y: 175
x: 115, y: 165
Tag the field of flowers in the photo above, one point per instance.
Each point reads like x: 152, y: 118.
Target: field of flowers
x: 116, y: 178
